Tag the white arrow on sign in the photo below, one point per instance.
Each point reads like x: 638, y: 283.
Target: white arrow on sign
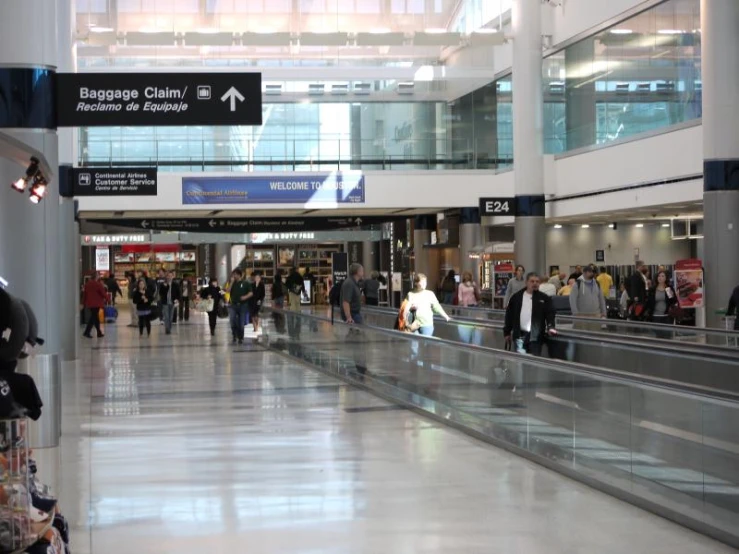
x: 358, y: 221
x: 212, y: 223
x: 144, y: 224
x: 232, y: 94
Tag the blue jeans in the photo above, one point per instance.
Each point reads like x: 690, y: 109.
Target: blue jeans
x: 237, y: 318
x: 448, y: 298
x: 469, y: 334
x: 426, y: 331
x: 356, y: 317
x: 167, y: 312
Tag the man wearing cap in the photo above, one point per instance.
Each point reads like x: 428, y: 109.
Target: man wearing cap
x: 586, y: 297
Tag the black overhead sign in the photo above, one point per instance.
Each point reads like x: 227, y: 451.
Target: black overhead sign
x: 129, y: 181
x: 497, y: 206
x: 246, y: 225
x: 158, y: 99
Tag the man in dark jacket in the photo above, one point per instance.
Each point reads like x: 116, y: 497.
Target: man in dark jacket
x: 295, y: 288
x: 733, y: 308
x: 169, y: 295
x: 529, y: 318
x: 636, y: 288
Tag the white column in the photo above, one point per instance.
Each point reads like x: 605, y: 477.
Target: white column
x: 528, y: 141
x: 720, y: 67
x: 29, y: 253
x: 68, y: 237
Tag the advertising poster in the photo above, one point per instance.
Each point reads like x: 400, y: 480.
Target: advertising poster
x: 502, y: 273
x: 102, y: 258
x: 689, y: 283
x: 287, y: 256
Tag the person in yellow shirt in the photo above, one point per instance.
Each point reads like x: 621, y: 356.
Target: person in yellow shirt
x: 605, y: 281
x: 565, y: 291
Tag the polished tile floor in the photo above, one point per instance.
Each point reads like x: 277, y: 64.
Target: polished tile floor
x: 184, y: 444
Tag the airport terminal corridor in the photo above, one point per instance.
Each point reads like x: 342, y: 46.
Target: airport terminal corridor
x: 186, y: 443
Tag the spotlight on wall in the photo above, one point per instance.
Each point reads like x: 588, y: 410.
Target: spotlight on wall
x: 19, y: 185
x: 38, y: 189
x: 557, y: 226
x: 613, y: 226
x: 33, y: 175
x: 585, y: 226
x: 639, y: 225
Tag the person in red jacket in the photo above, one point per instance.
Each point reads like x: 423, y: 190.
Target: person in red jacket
x: 94, y: 299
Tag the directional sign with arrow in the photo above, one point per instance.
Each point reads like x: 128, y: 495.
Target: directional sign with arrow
x: 248, y: 225
x: 233, y: 95
x: 158, y: 99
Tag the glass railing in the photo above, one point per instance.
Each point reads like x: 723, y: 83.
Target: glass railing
x: 699, y: 365
x: 299, y: 154
x: 675, y: 452
x: 688, y: 335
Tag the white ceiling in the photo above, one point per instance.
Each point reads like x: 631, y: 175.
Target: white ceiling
x: 645, y: 215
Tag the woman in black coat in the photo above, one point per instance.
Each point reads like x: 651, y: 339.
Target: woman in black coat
x: 660, y: 300
x: 212, y: 291
x: 255, y: 302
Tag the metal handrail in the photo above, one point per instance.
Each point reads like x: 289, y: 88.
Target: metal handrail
x: 614, y: 375
x: 652, y: 343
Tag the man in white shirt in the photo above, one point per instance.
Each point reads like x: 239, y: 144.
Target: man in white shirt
x: 529, y: 318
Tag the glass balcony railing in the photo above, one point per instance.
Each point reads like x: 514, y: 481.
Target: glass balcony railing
x: 297, y: 154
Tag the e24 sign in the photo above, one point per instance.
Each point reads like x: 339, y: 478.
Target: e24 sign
x: 497, y: 206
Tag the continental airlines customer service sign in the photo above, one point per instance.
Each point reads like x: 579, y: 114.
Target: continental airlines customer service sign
x: 158, y: 99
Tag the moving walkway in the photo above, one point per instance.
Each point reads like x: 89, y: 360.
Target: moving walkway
x: 713, y: 367
x: 672, y: 448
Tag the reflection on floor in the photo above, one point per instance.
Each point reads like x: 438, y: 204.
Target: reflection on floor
x: 185, y: 444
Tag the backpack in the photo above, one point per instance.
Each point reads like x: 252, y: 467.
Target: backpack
x: 406, y: 318
x: 334, y: 295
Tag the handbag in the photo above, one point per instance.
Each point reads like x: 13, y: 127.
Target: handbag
x: 222, y: 311
x: 676, y: 312
x: 204, y: 305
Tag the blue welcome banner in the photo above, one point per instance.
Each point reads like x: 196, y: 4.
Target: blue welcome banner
x: 307, y: 188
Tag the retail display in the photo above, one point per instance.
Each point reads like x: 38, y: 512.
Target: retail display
x: 30, y: 519
x: 151, y: 258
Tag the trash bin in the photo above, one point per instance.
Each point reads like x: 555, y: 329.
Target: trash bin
x: 46, y: 372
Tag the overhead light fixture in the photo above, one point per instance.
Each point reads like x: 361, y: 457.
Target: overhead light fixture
x: 340, y: 89
x: 19, y: 185
x: 406, y: 87
x: 665, y: 225
x: 639, y: 225
x: 362, y: 89
x: 670, y: 32
x: 621, y: 32
x: 585, y: 226
x: 557, y: 226
x: 33, y: 172
x: 316, y: 88
x: 612, y: 226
